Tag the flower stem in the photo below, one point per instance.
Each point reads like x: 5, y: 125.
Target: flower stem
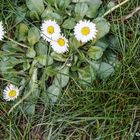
x: 20, y: 44
x: 114, y: 8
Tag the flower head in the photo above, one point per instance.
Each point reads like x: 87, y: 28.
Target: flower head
x: 85, y: 31
x: 1, y: 31
x: 11, y: 92
x: 50, y: 30
x: 60, y: 45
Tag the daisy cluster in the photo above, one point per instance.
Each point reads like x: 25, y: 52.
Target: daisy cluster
x: 50, y: 31
x: 84, y: 31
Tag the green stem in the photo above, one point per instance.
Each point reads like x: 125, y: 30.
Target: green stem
x: 20, y: 44
x: 115, y: 7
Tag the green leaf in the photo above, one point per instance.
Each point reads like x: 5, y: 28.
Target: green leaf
x: 111, y: 58
x: 34, y: 15
x: 95, y: 52
x: 31, y: 53
x: 80, y: 10
x: 86, y: 75
x: 7, y: 63
x: 93, y: 7
x: 29, y: 108
x: 35, y: 5
x: 52, y: 2
x: 105, y: 70
x: 11, y: 75
x: 51, y: 71
x: 79, y: 1
x: 63, y: 3
x: 102, y: 43
x: 50, y: 60
x: 62, y: 78
x: 69, y: 23
x: 26, y: 65
x: 46, y: 12
x: 22, y: 32
x: 114, y: 43
x: 20, y: 14
x: 42, y: 59
x: 58, y: 57
x: 53, y: 93
x: 11, y: 47
x: 41, y: 49
x: 74, y: 43
x: 52, y: 16
x: 95, y: 65
x: 102, y: 26
x: 33, y: 36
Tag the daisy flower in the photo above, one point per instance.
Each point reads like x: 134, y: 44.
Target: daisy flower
x: 85, y: 31
x: 1, y: 31
x: 11, y: 92
x: 60, y: 45
x: 50, y: 30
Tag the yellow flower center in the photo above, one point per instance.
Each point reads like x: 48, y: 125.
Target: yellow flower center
x: 50, y: 29
x: 12, y: 93
x: 85, y: 30
x: 61, y: 42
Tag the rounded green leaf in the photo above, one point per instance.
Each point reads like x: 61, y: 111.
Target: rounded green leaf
x: 33, y: 36
x: 102, y: 26
x: 11, y: 47
x: 86, y: 75
x: 20, y: 14
x: 22, y: 32
x: 26, y: 65
x: 35, y: 5
x: 58, y: 57
x: 69, y: 23
x: 95, y: 52
x: 29, y: 108
x: 42, y: 59
x: 63, y: 3
x: 53, y: 93
x: 41, y: 49
x: 102, y: 43
x: 34, y: 15
x: 80, y: 10
x: 105, y: 70
x: 62, y: 78
x: 52, y: 16
x: 31, y: 53
x: 93, y: 8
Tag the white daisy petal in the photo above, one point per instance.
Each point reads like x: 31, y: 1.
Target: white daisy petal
x: 60, y: 45
x: 1, y: 31
x: 50, y: 30
x: 85, y: 31
x: 11, y: 92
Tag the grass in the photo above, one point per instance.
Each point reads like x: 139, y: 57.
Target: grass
x: 105, y: 111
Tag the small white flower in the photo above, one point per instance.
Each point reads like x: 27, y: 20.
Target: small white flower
x: 11, y: 92
x: 60, y: 45
x: 85, y: 31
x: 1, y: 31
x: 50, y: 30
